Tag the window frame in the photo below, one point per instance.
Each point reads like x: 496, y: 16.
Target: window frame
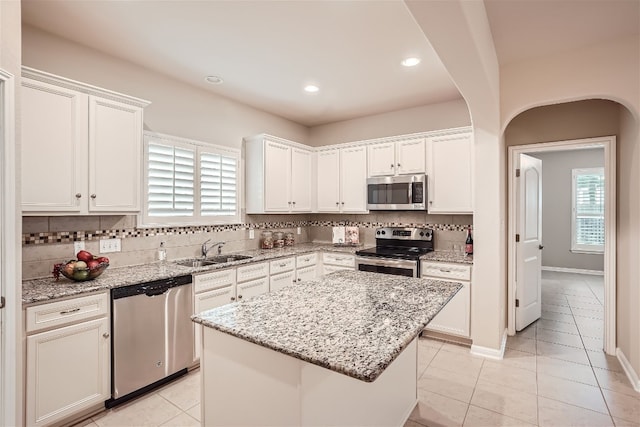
x: 576, y: 247
x: 198, y: 147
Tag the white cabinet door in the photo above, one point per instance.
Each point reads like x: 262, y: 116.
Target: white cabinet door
x: 353, y: 175
x: 454, y: 318
x: 301, y: 191
x: 328, y: 181
x: 115, y: 146
x: 410, y: 157
x: 54, y: 138
x: 206, y: 301
x: 250, y: 289
x: 381, y: 159
x: 68, y: 370
x: 282, y: 280
x: 277, y: 177
x: 306, y: 273
x: 450, y: 172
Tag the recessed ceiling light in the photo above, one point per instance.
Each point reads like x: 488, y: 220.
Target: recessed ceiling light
x: 411, y: 62
x: 311, y: 88
x: 214, y: 80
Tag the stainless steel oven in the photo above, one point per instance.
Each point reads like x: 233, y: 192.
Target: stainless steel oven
x: 397, y: 251
x: 399, y: 267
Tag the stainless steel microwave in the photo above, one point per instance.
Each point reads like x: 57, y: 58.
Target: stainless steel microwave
x: 400, y: 193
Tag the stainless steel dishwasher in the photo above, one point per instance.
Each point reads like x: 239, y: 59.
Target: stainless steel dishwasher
x: 152, y: 335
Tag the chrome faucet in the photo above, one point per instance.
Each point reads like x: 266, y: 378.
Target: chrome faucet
x: 205, y: 249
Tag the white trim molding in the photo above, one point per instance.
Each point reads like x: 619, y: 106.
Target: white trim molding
x: 573, y: 270
x: 608, y: 143
x: 628, y: 370
x: 10, y: 275
x: 491, y: 353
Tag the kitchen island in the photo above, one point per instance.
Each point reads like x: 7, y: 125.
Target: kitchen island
x: 338, y: 350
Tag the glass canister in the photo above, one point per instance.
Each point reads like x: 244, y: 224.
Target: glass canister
x: 289, y: 240
x: 266, y: 240
x: 278, y: 239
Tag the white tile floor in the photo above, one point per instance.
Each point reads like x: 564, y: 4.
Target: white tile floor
x: 554, y: 374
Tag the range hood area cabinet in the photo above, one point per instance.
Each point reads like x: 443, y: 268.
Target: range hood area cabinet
x: 279, y: 176
x: 450, y: 173
x: 342, y: 180
x: 402, y: 157
x: 90, y: 137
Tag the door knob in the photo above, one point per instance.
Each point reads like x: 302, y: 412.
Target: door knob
x: 540, y: 247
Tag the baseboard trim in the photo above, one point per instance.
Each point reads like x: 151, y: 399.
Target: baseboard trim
x: 491, y: 353
x: 628, y: 369
x: 574, y: 270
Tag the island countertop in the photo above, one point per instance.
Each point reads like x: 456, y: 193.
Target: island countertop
x: 352, y: 322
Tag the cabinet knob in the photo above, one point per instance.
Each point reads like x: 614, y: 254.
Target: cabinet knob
x: 342, y: 203
x: 430, y: 202
x: 233, y: 298
x: 391, y: 165
x: 398, y: 165
x: 93, y: 196
x: 293, y: 281
x: 337, y: 203
x: 299, y: 280
x: 294, y: 203
x: 239, y: 297
x: 78, y: 195
x: 105, y: 335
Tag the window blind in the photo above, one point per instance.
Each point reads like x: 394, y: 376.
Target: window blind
x: 170, y: 180
x: 218, y: 185
x: 588, y: 198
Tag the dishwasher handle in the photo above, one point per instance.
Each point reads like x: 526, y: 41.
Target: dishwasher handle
x: 152, y: 291
x: 153, y: 288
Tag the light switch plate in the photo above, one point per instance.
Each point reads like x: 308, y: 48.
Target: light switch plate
x: 299, y: 230
x: 252, y: 233
x: 77, y: 247
x: 110, y: 245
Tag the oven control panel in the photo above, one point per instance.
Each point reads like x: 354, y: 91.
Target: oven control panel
x: 404, y: 233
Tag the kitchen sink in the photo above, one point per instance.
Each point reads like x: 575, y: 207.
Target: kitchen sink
x: 219, y: 259
x: 196, y: 262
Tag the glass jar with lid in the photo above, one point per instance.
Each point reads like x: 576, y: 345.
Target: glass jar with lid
x: 278, y: 239
x: 289, y: 240
x: 266, y: 240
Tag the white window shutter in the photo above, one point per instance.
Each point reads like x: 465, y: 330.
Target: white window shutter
x: 588, y: 210
x: 170, y: 172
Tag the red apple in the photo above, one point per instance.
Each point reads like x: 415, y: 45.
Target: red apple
x: 84, y: 256
x: 102, y: 259
x: 92, y: 264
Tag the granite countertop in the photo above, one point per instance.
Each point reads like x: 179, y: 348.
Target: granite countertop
x: 352, y: 322
x: 47, y: 289
x: 447, y: 256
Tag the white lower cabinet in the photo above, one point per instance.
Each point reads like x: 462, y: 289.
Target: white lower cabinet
x: 282, y: 280
x: 68, y: 366
x: 335, y: 262
x: 306, y: 273
x: 252, y: 288
x: 455, y: 317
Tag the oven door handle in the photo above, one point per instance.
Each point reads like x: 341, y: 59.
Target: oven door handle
x: 388, y: 262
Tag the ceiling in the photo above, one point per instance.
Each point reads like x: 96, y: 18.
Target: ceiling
x: 267, y: 51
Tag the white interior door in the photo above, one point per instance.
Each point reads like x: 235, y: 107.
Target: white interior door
x: 529, y: 248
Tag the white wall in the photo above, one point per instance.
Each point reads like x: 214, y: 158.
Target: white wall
x: 557, y: 208
x: 176, y: 107
x: 443, y: 115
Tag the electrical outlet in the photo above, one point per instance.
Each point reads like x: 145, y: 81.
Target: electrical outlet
x: 252, y: 233
x: 110, y: 245
x: 77, y: 247
x: 299, y: 230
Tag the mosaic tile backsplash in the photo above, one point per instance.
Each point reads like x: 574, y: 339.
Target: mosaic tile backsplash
x: 48, y: 240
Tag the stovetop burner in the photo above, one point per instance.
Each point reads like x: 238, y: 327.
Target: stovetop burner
x: 400, y: 243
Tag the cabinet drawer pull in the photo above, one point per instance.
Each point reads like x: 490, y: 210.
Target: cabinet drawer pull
x: 445, y: 270
x: 284, y: 264
x: 73, y: 310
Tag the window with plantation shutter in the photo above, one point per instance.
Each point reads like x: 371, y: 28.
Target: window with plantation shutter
x: 189, y: 182
x: 588, y: 210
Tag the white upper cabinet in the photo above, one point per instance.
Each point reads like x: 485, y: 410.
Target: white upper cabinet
x: 90, y: 137
x: 449, y: 173
x: 342, y: 180
x: 400, y: 157
x: 278, y: 176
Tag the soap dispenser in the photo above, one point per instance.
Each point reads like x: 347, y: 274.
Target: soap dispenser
x: 162, y: 253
